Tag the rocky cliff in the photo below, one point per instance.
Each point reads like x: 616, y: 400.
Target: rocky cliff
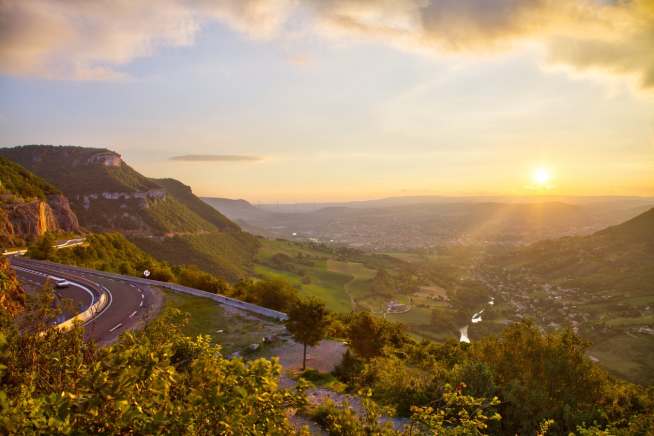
x: 29, y: 206
x: 25, y: 221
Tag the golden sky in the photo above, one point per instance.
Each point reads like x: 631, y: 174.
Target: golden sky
x: 291, y: 100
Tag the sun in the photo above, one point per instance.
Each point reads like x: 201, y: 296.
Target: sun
x: 541, y: 176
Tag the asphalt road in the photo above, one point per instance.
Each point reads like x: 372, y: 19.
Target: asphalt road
x: 128, y: 303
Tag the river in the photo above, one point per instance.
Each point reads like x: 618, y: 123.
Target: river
x: 475, y: 319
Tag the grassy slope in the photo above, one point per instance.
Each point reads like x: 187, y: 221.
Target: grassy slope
x: 329, y: 286
x: 185, y: 196
x: 22, y: 184
x: 228, y: 255
x: 209, y: 318
x: 170, y: 216
x: 335, y: 279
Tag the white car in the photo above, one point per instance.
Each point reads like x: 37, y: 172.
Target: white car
x: 62, y: 283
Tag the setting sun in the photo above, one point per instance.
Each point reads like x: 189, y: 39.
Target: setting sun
x: 541, y: 176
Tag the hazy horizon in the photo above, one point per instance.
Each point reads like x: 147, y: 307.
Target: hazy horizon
x: 445, y: 198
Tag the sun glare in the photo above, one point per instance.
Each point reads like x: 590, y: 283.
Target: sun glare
x: 541, y: 176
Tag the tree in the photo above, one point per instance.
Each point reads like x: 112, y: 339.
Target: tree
x: 43, y: 247
x: 275, y: 294
x: 308, y: 321
x: 369, y: 334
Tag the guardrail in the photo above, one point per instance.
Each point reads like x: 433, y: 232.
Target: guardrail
x: 11, y: 253
x: 66, y: 244
x: 218, y: 298
x: 94, y: 309
x: 87, y: 315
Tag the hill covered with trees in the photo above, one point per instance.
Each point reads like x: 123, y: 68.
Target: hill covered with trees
x: 620, y: 258
x: 602, y: 285
x: 30, y: 206
x: 162, y: 216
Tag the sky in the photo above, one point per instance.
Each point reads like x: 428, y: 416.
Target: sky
x: 324, y: 100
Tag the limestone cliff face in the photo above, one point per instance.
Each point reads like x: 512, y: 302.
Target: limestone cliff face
x: 64, y: 215
x: 27, y: 220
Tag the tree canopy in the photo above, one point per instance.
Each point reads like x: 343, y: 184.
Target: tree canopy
x: 308, y: 321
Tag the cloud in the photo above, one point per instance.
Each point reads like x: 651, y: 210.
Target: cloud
x: 91, y: 40
x: 612, y: 36
x: 215, y: 158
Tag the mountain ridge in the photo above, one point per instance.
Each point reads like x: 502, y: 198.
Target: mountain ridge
x: 158, y: 214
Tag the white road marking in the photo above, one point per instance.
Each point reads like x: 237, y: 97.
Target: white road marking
x: 31, y: 271
x: 77, y: 285
x: 115, y: 327
x: 142, y: 295
x: 141, y: 305
x: 132, y: 315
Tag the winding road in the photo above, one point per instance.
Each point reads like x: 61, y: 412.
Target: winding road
x: 128, y: 303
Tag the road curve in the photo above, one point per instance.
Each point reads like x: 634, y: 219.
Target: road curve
x: 128, y: 303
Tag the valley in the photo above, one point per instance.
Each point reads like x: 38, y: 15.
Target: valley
x: 451, y: 291
x: 327, y: 217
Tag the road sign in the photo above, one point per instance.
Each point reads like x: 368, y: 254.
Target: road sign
x: 146, y: 273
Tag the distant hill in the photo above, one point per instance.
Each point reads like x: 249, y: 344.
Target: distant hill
x: 184, y: 195
x: 161, y: 215
x: 616, y: 202
x: 619, y: 258
x: 239, y: 209
x: 30, y: 206
x: 638, y: 230
x: 407, y: 223
x: 412, y: 226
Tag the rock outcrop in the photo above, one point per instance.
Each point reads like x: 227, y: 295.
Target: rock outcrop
x: 65, y: 217
x: 27, y: 220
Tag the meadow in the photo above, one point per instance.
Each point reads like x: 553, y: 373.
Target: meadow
x: 232, y: 329
x: 347, y: 281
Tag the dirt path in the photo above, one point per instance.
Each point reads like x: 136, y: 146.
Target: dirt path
x: 324, y: 357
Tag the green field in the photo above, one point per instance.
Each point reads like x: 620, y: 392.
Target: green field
x: 345, y: 282
x: 327, y: 287
x: 627, y: 356
x: 232, y: 330
x: 314, y: 272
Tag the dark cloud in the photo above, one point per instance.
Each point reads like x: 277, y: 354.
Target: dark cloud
x: 90, y: 40
x: 215, y: 158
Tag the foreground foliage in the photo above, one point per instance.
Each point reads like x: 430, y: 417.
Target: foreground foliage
x: 537, y: 377
x: 152, y: 382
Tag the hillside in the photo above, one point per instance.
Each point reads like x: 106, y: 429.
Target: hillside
x: 239, y: 209
x: 30, y: 206
x: 620, y: 258
x: 161, y: 215
x: 184, y: 195
x: 602, y: 285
